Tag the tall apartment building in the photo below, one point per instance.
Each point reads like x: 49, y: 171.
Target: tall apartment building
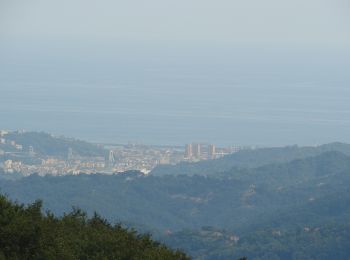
x: 188, y: 151
x: 211, y: 151
x: 196, y: 151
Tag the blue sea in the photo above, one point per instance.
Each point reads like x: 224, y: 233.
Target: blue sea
x: 222, y: 102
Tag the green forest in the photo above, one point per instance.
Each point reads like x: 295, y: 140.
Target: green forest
x: 27, y: 233
x: 296, y: 205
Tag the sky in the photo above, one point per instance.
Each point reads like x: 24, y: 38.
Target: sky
x: 324, y: 22
x: 268, y: 72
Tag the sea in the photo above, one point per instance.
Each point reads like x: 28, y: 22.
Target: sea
x: 255, y: 102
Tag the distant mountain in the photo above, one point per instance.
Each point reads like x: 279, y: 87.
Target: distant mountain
x: 324, y: 242
x: 294, y: 172
x: 240, y: 199
x: 249, y: 159
x: 46, y: 144
x: 311, y: 192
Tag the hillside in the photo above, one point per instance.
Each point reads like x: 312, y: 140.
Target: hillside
x: 308, y: 192
x: 325, y: 242
x: 28, y: 234
x: 239, y: 199
x: 46, y: 144
x: 249, y: 159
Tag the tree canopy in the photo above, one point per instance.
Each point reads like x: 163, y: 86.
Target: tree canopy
x: 27, y: 233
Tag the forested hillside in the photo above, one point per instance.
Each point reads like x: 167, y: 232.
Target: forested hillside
x: 238, y: 199
x: 324, y: 242
x: 266, y: 207
x: 46, y: 144
x: 249, y: 159
x: 26, y: 233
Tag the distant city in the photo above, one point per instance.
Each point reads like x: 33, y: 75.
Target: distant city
x: 24, y: 159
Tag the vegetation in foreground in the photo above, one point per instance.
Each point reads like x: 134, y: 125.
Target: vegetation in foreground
x: 26, y: 233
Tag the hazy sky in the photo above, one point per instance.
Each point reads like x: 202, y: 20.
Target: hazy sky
x: 248, y: 72
x: 177, y: 22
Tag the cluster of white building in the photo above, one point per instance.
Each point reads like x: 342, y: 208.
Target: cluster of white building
x: 121, y: 158
x: 198, y: 151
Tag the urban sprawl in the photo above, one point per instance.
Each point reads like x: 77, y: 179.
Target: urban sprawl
x: 119, y: 158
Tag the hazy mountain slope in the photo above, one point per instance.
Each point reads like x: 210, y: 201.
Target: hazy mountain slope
x: 239, y: 199
x: 325, y: 242
x: 47, y: 144
x: 294, y: 172
x: 249, y: 159
x: 250, y: 203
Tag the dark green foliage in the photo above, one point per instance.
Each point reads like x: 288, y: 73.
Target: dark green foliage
x: 25, y: 233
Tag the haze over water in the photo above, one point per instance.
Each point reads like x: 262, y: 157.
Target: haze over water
x: 177, y: 100
x: 258, y: 73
